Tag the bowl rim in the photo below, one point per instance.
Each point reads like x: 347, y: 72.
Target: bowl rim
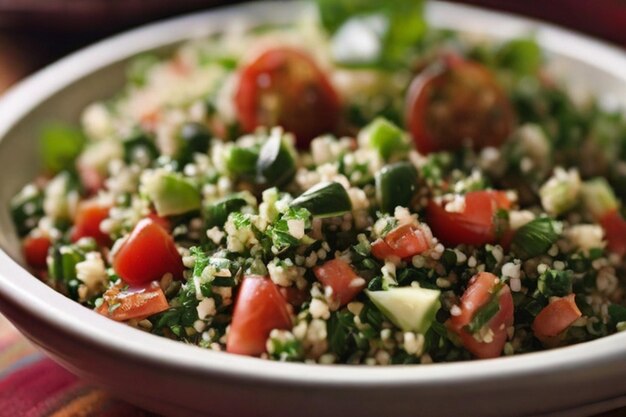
x: 18, y: 286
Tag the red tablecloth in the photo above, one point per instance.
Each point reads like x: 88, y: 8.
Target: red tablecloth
x: 31, y: 385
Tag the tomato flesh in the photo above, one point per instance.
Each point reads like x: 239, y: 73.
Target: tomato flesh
x: 555, y: 318
x: 147, y: 255
x: 133, y: 303
x: 91, y: 179
x: 614, y: 227
x: 36, y: 251
x: 285, y: 87
x: 259, y: 309
x: 476, y: 296
x: 403, y: 241
x: 473, y: 225
x: 454, y: 101
x: 89, y: 216
x: 339, y: 275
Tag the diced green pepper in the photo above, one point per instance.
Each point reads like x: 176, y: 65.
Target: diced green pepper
x: 242, y: 161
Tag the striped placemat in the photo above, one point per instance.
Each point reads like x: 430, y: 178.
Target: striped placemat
x: 32, y: 385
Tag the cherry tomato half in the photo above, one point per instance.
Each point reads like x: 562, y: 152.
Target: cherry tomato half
x: 89, y: 215
x: 474, y: 224
x: 285, y: 87
x: 259, y: 309
x: 147, y: 255
x: 453, y: 101
x: 477, y: 295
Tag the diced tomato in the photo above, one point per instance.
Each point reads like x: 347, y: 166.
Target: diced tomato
x: 161, y: 221
x: 381, y: 250
x: 36, y: 251
x: 474, y: 224
x: 259, y: 309
x: 555, y: 318
x: 403, y: 242
x: 339, y: 275
x: 294, y: 295
x: 477, y: 295
x: 285, y: 87
x: 147, y: 255
x: 614, y: 227
x: 89, y: 215
x: 133, y: 303
x: 454, y: 101
x: 91, y: 179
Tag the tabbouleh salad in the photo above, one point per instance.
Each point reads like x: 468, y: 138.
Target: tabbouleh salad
x: 352, y: 188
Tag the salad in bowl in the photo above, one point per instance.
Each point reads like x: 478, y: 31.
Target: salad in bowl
x: 355, y: 187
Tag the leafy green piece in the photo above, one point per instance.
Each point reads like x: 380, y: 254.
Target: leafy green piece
x: 340, y: 327
x: 281, y: 233
x: 553, y: 283
x: 60, y: 146
x: 617, y: 313
x: 27, y: 209
x: 389, y: 30
x: 286, y: 349
x: 523, y: 56
x: 536, y: 237
x: 137, y: 143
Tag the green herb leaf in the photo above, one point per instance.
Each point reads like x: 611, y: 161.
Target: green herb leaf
x: 553, y: 283
x: 536, y: 237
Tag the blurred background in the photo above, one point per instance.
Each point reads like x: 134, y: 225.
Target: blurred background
x: 34, y: 33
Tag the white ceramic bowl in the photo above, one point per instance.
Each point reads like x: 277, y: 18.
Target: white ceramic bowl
x: 175, y: 379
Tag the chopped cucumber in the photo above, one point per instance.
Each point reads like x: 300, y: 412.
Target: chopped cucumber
x: 276, y: 164
x: 171, y: 193
x: 242, y: 161
x: 385, y: 137
x: 395, y: 186
x: 598, y: 197
x: 217, y: 212
x: 326, y: 199
x: 193, y: 138
x: 560, y: 193
x: 412, y: 309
